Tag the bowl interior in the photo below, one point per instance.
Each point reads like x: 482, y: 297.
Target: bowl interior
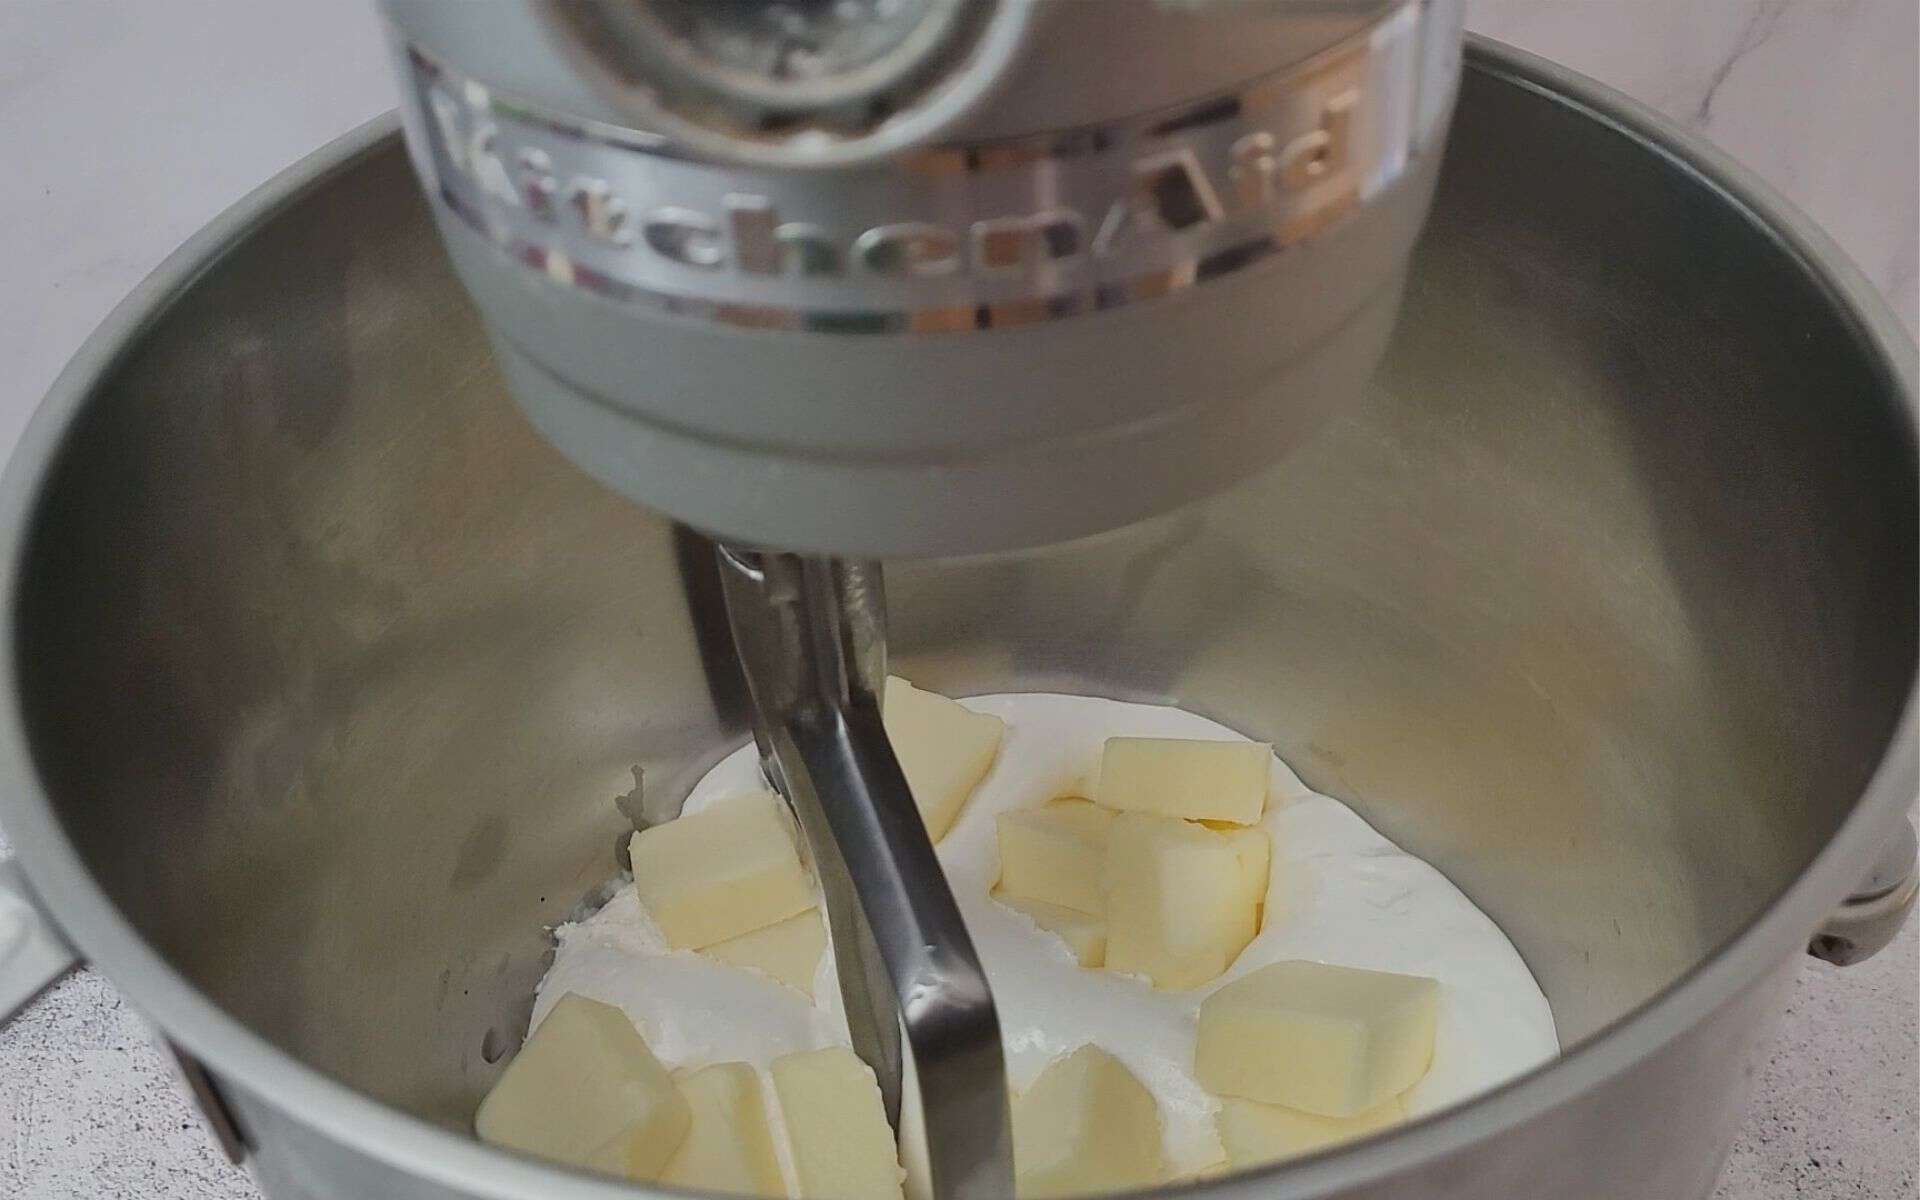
x: 1604, y: 601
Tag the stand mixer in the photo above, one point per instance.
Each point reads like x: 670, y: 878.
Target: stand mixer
x: 838, y: 282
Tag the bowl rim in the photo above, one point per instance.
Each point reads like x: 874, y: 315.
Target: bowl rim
x: 409, y: 1144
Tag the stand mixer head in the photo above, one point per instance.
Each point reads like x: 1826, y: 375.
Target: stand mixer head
x: 841, y: 281
x: 1073, y: 265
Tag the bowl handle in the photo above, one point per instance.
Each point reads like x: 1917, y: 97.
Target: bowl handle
x: 1870, y: 918
x: 32, y: 952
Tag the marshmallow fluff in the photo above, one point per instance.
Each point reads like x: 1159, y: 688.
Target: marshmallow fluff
x: 1339, y: 893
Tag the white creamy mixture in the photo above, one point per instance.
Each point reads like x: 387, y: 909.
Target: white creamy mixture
x: 1340, y: 893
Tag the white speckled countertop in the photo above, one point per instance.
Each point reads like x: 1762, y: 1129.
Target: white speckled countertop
x: 126, y: 124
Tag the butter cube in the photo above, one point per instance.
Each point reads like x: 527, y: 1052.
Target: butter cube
x: 944, y: 748
x: 1084, y: 934
x: 788, y: 950
x: 837, y: 1127
x: 1180, y: 904
x: 717, y: 874
x: 585, y: 1090
x: 1056, y: 854
x: 1332, y: 1041
x: 729, y: 1147
x: 1255, y: 1133
x: 1179, y: 777
x: 1086, y: 1125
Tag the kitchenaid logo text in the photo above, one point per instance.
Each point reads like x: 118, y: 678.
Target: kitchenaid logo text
x: 1170, y: 189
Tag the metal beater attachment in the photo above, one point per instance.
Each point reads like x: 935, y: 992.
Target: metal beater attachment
x: 811, y: 634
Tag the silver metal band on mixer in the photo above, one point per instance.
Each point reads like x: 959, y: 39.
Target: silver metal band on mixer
x: 943, y: 238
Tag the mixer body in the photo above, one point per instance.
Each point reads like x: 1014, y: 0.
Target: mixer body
x: 1095, y: 262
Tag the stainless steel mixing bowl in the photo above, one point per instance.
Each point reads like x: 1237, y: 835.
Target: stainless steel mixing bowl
x: 324, y: 672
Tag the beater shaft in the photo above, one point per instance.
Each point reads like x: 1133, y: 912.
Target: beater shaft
x: 811, y: 633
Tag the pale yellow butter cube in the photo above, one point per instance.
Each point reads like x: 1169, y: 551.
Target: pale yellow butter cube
x: 1056, y: 854
x: 1179, y: 777
x: 837, y: 1129
x: 722, y: 872
x: 1332, y: 1041
x: 945, y: 749
x: 1180, y: 904
x: 788, y: 950
x: 585, y: 1090
x: 729, y: 1147
x: 1084, y: 934
x: 1255, y: 1133
x: 1086, y: 1125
